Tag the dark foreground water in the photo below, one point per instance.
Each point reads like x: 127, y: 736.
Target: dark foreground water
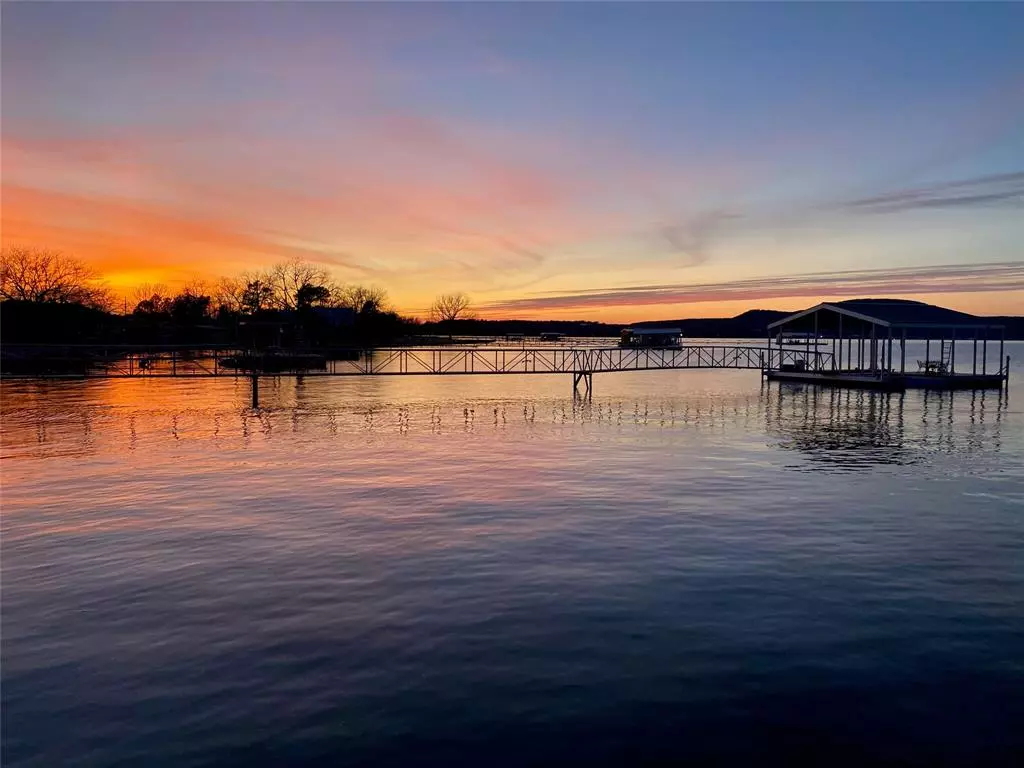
x: 480, y: 571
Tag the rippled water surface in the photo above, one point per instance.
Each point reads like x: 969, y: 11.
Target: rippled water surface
x: 481, y: 570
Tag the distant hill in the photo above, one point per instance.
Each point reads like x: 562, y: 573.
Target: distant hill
x: 754, y: 324
x: 750, y: 324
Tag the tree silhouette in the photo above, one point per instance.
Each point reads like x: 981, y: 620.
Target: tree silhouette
x: 310, y: 295
x: 228, y: 294
x: 190, y: 309
x: 146, y: 292
x: 450, y: 306
x: 154, y: 305
x: 41, y: 275
x: 363, y: 298
x: 286, y: 278
x: 256, y: 297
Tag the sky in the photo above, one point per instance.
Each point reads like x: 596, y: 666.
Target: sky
x: 615, y: 162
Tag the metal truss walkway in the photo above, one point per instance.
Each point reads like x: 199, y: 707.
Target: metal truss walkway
x: 582, y: 362
x: 114, y: 362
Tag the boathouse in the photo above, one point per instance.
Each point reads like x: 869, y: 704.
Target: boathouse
x: 650, y: 337
x: 887, y: 344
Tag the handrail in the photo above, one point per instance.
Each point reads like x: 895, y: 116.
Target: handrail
x: 90, y: 362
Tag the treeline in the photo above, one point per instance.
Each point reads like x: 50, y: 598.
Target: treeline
x: 24, y: 322
x: 292, y: 303
x: 48, y: 297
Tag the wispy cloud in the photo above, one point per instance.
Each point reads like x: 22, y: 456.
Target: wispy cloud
x: 953, y: 278
x: 691, y: 238
x: 999, y: 189
x: 694, y: 238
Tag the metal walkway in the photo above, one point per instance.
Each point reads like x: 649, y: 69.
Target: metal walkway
x: 582, y: 362
x: 135, y: 362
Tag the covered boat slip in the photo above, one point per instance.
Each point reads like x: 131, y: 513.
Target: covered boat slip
x: 891, y: 344
x: 651, y: 337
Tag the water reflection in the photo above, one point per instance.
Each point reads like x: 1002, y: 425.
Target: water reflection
x: 851, y: 429
x: 842, y: 429
x: 435, y: 560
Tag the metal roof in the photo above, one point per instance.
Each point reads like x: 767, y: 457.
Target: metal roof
x: 895, y: 313
x: 642, y: 331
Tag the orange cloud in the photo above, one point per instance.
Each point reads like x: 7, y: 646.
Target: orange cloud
x: 446, y: 208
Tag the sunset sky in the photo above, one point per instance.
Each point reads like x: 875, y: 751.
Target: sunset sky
x: 593, y: 161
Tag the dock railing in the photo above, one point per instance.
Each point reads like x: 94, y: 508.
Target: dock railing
x: 112, y: 361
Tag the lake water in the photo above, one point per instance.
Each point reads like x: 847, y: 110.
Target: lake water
x: 481, y: 570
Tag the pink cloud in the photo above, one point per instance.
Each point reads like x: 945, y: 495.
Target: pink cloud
x: 999, y: 277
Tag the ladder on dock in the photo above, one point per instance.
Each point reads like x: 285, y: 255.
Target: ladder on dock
x: 945, y: 353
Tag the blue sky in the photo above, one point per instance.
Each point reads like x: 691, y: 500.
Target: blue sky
x: 533, y: 155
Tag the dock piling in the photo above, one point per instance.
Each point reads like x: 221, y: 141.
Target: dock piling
x: 587, y: 379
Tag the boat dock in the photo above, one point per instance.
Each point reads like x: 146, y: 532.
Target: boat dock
x: 868, y: 342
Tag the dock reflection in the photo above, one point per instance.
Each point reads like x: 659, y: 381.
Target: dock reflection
x: 852, y: 429
x: 845, y: 429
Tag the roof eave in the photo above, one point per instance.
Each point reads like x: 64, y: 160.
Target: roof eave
x: 833, y: 307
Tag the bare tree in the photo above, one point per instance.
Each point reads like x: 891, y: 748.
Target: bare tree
x: 151, y: 299
x: 286, y: 278
x: 229, y: 293
x: 42, y: 275
x: 363, y: 298
x: 147, y: 291
x: 197, y: 286
x: 450, y: 306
